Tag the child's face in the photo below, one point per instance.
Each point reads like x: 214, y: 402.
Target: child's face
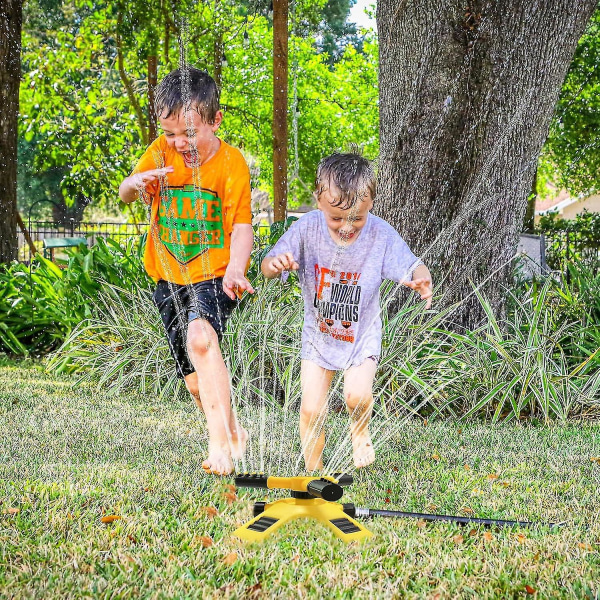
x: 200, y: 136
x: 344, y: 224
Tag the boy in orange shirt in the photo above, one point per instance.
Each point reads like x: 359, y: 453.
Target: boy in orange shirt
x: 198, y: 246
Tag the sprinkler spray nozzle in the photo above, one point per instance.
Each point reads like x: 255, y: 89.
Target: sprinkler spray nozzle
x: 327, y: 488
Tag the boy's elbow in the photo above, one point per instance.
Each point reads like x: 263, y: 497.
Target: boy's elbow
x: 125, y: 194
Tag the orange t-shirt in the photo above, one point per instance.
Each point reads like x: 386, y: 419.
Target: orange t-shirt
x: 190, y: 225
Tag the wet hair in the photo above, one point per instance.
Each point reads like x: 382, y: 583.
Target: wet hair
x: 351, y: 173
x: 171, y: 96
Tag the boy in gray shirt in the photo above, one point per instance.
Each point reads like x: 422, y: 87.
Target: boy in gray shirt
x: 342, y: 254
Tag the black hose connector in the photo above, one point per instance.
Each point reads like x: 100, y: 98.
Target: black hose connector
x: 251, y: 480
x: 322, y: 488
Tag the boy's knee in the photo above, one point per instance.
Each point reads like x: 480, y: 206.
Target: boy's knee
x: 311, y: 414
x: 202, y: 338
x: 192, y: 388
x: 356, y: 400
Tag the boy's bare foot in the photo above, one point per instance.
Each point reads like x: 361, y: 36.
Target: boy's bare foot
x: 363, y: 451
x: 238, y: 443
x: 218, y: 462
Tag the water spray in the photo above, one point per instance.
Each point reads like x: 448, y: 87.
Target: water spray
x: 315, y: 498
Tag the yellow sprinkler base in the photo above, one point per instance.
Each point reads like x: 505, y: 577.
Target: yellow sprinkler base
x: 270, y: 517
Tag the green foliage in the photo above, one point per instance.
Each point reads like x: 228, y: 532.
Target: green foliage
x: 34, y: 185
x: 506, y: 370
x: 530, y: 364
x: 570, y: 157
x: 574, y: 298
x: 519, y: 367
x: 39, y: 305
x: 84, y: 92
x: 572, y: 240
x: 336, y: 34
x: 73, y: 107
x: 123, y: 344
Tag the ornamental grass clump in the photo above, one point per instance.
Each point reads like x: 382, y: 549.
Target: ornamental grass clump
x: 506, y: 369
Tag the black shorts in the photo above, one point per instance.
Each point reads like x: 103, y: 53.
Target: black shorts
x: 180, y: 304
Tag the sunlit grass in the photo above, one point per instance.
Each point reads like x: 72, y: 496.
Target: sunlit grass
x: 70, y: 456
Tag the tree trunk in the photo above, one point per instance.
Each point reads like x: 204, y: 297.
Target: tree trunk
x: 11, y: 18
x: 467, y: 93
x: 152, y: 81
x: 280, y: 105
x: 529, y: 220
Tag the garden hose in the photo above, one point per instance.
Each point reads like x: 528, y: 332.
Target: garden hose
x: 366, y: 513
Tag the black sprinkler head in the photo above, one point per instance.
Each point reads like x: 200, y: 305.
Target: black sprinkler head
x: 321, y: 488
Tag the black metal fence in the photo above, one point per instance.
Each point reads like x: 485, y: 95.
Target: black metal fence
x: 566, y: 247
x: 41, y: 230
x: 561, y: 248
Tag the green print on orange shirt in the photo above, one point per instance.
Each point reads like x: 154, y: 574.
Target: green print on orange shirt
x: 190, y: 221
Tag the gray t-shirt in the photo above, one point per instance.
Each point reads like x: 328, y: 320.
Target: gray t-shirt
x: 340, y: 286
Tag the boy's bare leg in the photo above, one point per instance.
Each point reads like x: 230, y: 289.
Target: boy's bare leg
x: 238, y: 441
x: 358, y: 393
x: 226, y: 438
x: 315, y: 386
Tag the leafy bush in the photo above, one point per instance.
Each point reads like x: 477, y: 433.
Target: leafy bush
x: 504, y: 370
x: 569, y: 298
x: 541, y: 360
x: 124, y: 346
x: 519, y: 366
x: 572, y: 240
x: 40, y: 304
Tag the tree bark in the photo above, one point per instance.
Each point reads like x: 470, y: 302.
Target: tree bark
x: 152, y: 81
x: 11, y: 20
x: 280, y: 106
x: 467, y: 93
x: 529, y: 220
x: 127, y: 83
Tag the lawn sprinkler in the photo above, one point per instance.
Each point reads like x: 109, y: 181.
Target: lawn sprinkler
x: 315, y: 498
x: 311, y: 497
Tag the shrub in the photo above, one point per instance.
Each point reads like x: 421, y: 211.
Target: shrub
x: 503, y: 370
x: 572, y: 240
x: 40, y: 304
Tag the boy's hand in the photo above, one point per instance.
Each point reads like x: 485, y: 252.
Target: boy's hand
x: 282, y: 262
x: 131, y: 186
x: 141, y: 180
x: 422, y: 286
x: 234, y: 284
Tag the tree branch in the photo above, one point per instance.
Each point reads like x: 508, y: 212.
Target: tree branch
x: 129, y: 86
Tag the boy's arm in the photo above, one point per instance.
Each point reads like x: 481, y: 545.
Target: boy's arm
x: 422, y: 284
x: 234, y: 280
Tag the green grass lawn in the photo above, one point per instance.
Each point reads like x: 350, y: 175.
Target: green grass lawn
x: 69, y: 456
